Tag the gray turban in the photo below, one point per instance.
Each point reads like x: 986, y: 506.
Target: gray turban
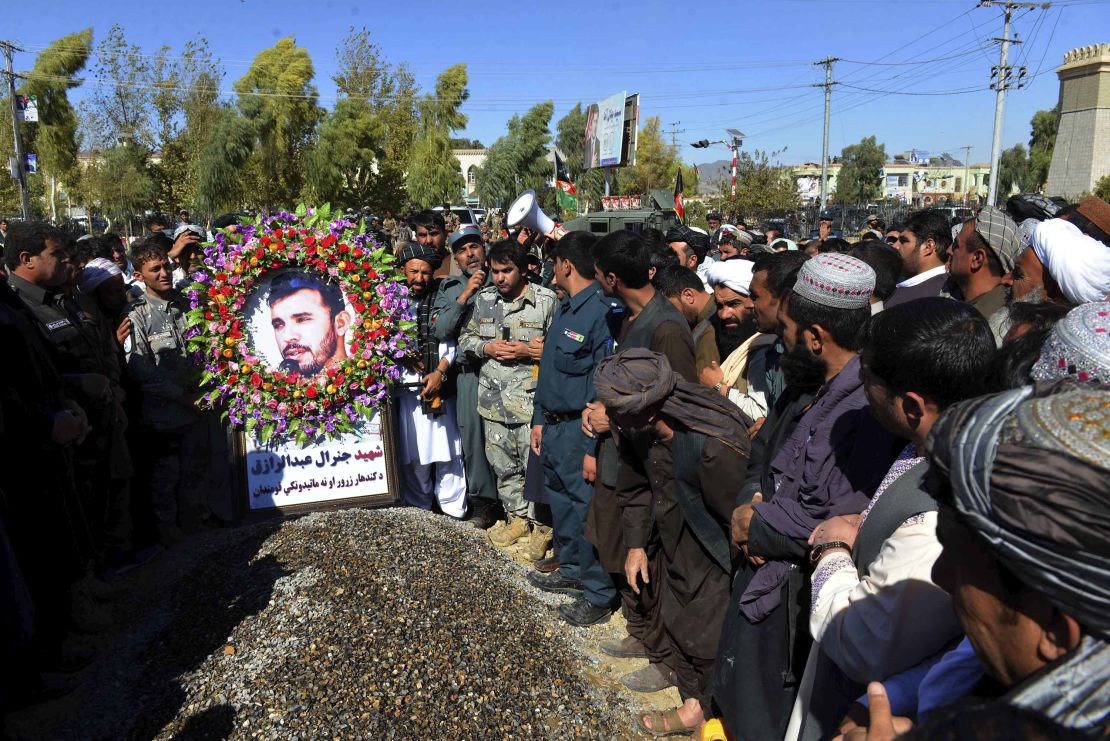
x: 1030, y: 473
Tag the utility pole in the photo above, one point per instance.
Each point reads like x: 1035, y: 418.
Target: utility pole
x: 674, y: 131
x: 17, y: 166
x: 828, y: 63
x: 967, y: 169
x: 1000, y: 81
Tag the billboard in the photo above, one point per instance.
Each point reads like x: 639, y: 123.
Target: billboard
x: 605, y: 132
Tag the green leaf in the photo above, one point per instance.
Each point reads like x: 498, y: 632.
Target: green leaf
x: 300, y: 211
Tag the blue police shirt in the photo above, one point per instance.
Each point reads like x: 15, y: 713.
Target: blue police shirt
x: 578, y: 339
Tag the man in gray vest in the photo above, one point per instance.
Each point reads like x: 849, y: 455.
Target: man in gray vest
x: 876, y: 611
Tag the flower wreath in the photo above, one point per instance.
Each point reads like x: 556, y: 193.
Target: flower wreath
x: 272, y: 403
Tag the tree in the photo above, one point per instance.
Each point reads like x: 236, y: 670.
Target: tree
x: 120, y: 105
x: 433, y: 175
x: 186, y: 104
x: 56, y: 131
x: 1013, y: 170
x: 277, y: 96
x: 762, y: 188
x: 1042, y: 141
x: 364, y: 145
x: 221, y: 185
x: 860, y: 172
x: 571, y: 141
x: 121, y: 184
x: 518, y: 160
x: 656, y: 165
x: 457, y: 143
x: 1102, y: 188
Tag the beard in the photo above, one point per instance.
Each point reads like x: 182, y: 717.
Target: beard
x: 1036, y: 296
x: 802, y: 369
x: 318, y: 357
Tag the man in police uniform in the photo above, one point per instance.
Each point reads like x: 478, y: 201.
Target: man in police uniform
x: 157, y: 360
x: 451, y: 309
x: 578, y: 339
x: 505, y: 335
x: 40, y: 264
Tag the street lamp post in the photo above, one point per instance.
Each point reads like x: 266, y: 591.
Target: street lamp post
x: 736, y: 140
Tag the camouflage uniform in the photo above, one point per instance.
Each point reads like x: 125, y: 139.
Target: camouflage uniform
x: 158, y: 361
x: 506, y: 390
x: 452, y: 221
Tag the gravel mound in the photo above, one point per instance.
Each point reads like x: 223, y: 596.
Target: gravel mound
x: 355, y: 624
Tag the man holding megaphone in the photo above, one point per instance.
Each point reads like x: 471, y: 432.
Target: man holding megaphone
x: 451, y: 310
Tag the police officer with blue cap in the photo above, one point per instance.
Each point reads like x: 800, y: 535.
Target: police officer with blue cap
x: 451, y: 309
x: 579, y: 337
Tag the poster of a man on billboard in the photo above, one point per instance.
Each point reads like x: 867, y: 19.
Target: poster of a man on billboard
x: 605, y: 132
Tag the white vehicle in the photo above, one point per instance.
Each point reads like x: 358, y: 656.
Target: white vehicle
x: 465, y: 213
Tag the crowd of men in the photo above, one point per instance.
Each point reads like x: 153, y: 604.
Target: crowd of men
x: 833, y: 486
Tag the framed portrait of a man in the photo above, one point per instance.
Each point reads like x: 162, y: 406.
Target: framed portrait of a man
x: 299, y: 322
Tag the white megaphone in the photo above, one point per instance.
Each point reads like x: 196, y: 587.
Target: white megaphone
x: 525, y: 211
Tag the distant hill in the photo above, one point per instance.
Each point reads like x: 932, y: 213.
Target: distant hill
x: 712, y: 176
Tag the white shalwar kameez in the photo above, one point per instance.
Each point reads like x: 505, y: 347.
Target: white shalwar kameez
x: 431, y: 450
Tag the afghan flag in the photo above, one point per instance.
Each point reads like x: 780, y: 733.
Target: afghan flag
x: 679, y: 207
x: 566, y: 193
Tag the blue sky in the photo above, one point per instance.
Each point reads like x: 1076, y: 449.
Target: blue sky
x: 707, y: 65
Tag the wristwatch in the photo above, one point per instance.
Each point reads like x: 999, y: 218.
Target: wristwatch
x: 717, y: 386
x: 819, y: 549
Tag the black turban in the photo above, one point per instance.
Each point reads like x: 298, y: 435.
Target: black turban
x: 414, y: 251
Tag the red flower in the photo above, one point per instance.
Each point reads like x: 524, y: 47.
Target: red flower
x: 225, y: 290
x: 256, y: 380
x: 265, y: 241
x: 372, y: 275
x: 357, y: 253
x: 373, y: 309
x: 209, y: 315
x: 211, y: 290
x: 291, y: 233
x: 221, y: 277
x: 309, y: 240
x: 329, y: 240
x: 360, y: 307
x: 310, y: 392
x: 260, y: 253
x: 352, y: 297
x: 232, y: 379
x: 344, y: 249
x: 340, y: 379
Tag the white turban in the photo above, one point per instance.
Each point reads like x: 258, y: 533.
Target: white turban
x: 96, y: 272
x: 733, y: 274
x: 1079, y: 264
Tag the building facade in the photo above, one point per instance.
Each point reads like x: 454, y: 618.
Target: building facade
x: 922, y: 182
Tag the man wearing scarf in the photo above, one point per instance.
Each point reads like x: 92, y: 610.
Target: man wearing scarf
x: 649, y: 321
x: 1025, y: 528
x: 431, y: 451
x: 691, y: 453
x: 829, y: 465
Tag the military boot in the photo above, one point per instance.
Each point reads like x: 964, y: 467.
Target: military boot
x: 517, y: 529
x: 539, y: 542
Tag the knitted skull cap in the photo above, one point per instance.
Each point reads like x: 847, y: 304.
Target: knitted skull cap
x: 836, y: 280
